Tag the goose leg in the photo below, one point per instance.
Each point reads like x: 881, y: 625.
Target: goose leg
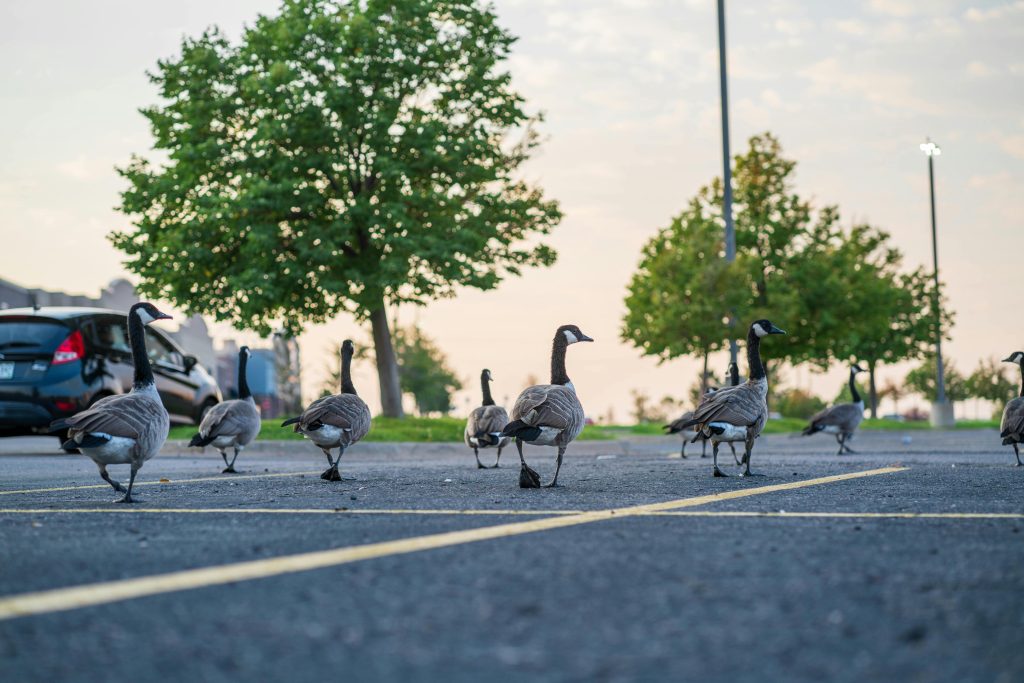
x: 476, y: 454
x: 558, y: 466
x: 528, y: 478
x: 498, y: 460
x: 230, y: 469
x: 682, y: 453
x: 331, y: 473
x: 839, y: 440
x: 131, y: 482
x: 735, y: 457
x: 746, y: 457
x: 1016, y: 452
x: 224, y: 456
x: 106, y: 477
x: 714, y: 454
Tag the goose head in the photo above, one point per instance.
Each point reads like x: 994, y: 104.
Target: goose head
x: 347, y: 348
x: 486, y: 375
x: 763, y: 328
x: 147, y: 312
x: 244, y: 352
x: 1015, y: 357
x: 572, y: 334
x: 854, y: 369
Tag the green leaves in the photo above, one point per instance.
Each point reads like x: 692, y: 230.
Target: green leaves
x: 340, y: 156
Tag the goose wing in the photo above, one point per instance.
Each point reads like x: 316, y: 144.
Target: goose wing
x: 128, y: 415
x: 1012, y: 424
x: 345, y: 411
x: 229, y: 418
x: 841, y: 415
x: 680, y: 423
x: 546, y: 405
x: 742, y: 406
x: 488, y: 419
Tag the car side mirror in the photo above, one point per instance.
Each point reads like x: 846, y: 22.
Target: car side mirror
x: 190, y: 362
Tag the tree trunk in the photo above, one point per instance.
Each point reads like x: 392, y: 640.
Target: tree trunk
x: 872, y: 391
x: 704, y: 376
x: 387, y: 364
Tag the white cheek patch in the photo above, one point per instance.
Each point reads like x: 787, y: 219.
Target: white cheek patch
x: 759, y: 331
x: 570, y: 337
x: 145, y: 317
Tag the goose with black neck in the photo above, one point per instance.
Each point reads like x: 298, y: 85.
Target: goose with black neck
x: 675, y: 427
x: 483, y: 428
x: 231, y: 424
x: 841, y: 419
x: 336, y: 421
x: 1011, y: 429
x: 127, y: 429
x: 548, y: 414
x: 737, y: 413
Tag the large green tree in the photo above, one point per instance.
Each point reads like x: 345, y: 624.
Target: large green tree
x: 424, y: 371
x: 342, y: 156
x: 683, y: 291
x: 922, y: 380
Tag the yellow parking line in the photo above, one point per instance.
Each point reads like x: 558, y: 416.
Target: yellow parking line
x: 281, y: 511
x: 849, y: 515
x: 234, y: 477
x: 113, y: 591
x: 506, y: 513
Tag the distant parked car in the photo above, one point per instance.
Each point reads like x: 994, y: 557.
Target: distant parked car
x: 55, y: 362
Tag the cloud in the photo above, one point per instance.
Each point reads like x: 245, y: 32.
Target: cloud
x: 1013, y: 145
x: 977, y: 69
x: 892, y: 8
x: 86, y: 168
x: 852, y: 27
x: 978, y: 15
x: 890, y: 89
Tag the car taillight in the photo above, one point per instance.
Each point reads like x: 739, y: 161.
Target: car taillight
x: 72, y: 348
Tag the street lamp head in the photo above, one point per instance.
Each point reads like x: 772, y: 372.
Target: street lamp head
x: 930, y: 148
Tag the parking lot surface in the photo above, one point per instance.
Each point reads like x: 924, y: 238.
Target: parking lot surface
x: 901, y: 562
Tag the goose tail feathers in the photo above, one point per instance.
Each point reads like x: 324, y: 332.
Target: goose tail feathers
x: 520, y: 430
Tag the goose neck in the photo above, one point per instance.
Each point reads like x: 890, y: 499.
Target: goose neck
x: 1022, y: 377
x: 853, y: 388
x: 243, y: 381
x: 143, y: 377
x: 558, y: 347
x: 756, y: 371
x: 346, y: 373
x: 485, y: 385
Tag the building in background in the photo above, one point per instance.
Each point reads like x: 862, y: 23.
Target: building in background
x: 274, y: 373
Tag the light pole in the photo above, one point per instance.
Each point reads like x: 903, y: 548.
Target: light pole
x: 730, y: 229
x: 942, y: 409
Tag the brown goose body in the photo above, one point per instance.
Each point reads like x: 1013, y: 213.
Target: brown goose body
x: 128, y: 429
x: 335, y: 421
x: 689, y: 432
x: 841, y: 419
x: 737, y: 413
x: 483, y: 428
x: 1011, y: 428
x: 231, y: 424
x: 549, y: 414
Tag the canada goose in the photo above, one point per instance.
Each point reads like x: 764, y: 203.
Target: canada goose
x: 483, y: 428
x: 548, y: 414
x: 1011, y: 429
x: 127, y: 429
x: 737, y: 413
x: 231, y: 424
x: 841, y: 419
x: 675, y: 428
x: 336, y: 421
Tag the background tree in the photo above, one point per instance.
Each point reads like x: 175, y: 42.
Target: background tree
x: 683, y: 291
x: 342, y: 156
x: 921, y: 380
x: 894, y: 391
x: 990, y: 382
x: 422, y: 367
x: 796, y: 402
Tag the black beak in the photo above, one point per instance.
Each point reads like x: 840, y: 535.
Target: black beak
x: 1008, y: 360
x: 776, y: 330
x: 163, y: 316
x: 584, y: 337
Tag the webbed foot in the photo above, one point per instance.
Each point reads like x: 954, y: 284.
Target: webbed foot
x: 528, y: 478
x: 719, y: 473
x: 127, y: 499
x: 229, y: 470
x: 553, y: 485
x: 331, y: 474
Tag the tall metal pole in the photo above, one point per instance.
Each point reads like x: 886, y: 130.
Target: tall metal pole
x: 730, y: 229
x: 940, y: 379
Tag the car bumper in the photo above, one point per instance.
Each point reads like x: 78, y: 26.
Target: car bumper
x: 24, y: 414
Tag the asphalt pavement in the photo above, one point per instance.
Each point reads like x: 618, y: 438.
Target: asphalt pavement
x: 903, y: 562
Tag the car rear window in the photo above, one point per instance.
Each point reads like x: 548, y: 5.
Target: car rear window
x: 29, y: 334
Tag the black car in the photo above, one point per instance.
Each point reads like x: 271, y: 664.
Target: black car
x: 55, y: 362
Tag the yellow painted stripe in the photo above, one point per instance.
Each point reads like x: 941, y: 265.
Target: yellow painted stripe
x: 224, y: 478
x: 507, y: 513
x: 113, y: 591
x: 278, y: 511
x: 848, y: 515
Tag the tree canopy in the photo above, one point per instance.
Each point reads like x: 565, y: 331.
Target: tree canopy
x: 342, y: 156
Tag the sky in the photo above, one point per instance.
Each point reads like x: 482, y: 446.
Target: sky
x: 629, y: 89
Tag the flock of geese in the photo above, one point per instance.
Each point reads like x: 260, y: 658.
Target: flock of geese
x: 131, y: 428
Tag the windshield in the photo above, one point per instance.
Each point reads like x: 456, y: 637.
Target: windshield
x: 28, y: 334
